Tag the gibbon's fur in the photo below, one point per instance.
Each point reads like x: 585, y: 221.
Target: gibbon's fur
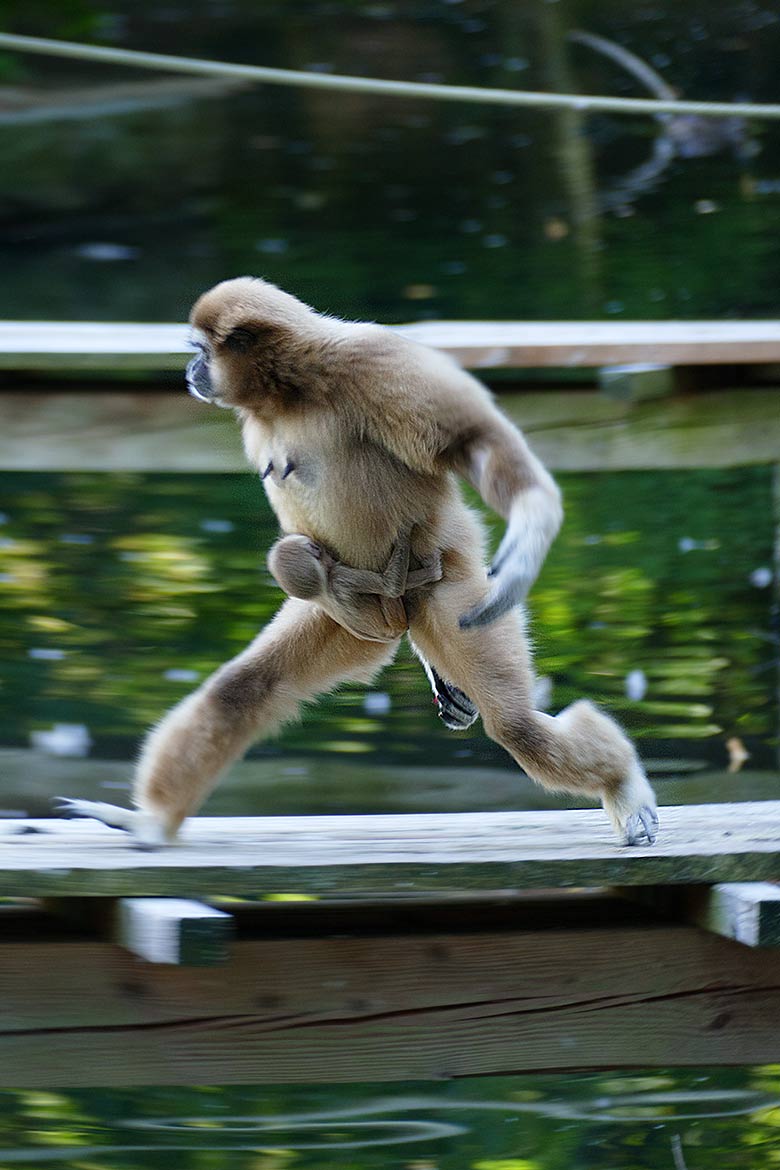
x: 360, y: 436
x: 370, y: 605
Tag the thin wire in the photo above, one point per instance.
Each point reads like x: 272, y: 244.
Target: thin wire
x: 402, y: 89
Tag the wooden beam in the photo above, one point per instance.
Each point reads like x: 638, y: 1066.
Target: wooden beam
x: 173, y: 930
x: 58, y: 346
x: 576, y: 430
x: 351, y: 1004
x: 392, y: 855
x: 747, y: 912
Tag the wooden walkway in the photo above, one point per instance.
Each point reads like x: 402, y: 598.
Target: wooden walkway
x: 150, y: 348
x: 392, y: 855
x: 420, y: 947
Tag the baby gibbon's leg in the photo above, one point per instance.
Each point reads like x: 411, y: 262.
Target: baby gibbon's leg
x: 579, y: 750
x: 300, y: 654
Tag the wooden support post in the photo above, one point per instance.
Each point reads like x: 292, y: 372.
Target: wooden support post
x: 638, y: 382
x: 159, y: 930
x: 747, y: 912
x: 173, y: 930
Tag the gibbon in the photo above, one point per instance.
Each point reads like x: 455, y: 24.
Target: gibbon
x: 360, y: 436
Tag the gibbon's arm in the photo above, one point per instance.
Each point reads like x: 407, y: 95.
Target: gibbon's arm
x: 435, y: 417
x: 497, y: 461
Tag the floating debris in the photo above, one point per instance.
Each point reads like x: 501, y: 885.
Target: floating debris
x: 738, y: 753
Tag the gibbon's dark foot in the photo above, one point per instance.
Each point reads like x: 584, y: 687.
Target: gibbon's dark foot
x: 643, y: 825
x: 456, y: 710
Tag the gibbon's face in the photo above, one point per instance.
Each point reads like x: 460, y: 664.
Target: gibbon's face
x: 239, y: 328
x: 211, y: 375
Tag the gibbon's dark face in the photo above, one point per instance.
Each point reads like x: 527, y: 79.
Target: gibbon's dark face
x: 221, y: 372
x: 197, y: 375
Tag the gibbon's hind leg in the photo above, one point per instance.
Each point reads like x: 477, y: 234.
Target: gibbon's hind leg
x: 300, y: 654
x: 580, y: 750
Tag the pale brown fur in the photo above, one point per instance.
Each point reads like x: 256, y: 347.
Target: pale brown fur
x: 360, y: 436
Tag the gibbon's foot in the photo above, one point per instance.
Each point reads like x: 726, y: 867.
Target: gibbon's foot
x: 642, y: 825
x: 145, y: 829
x: 456, y: 710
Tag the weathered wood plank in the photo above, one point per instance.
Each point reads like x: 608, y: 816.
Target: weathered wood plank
x: 397, y: 1006
x: 578, y: 430
x: 75, y: 345
x: 389, y: 855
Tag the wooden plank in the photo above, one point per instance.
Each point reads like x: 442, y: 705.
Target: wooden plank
x: 394, y: 1006
x: 571, y: 431
x: 74, y: 345
x: 393, y: 855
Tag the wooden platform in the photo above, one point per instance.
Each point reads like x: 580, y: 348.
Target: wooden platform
x: 150, y: 348
x: 399, y: 966
x: 392, y: 855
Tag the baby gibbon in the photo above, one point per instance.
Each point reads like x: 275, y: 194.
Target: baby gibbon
x: 361, y: 435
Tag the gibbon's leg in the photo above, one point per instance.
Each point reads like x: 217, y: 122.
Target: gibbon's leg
x: 579, y: 750
x: 301, y: 653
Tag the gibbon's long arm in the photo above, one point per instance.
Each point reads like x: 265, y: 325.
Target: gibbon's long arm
x: 498, y: 463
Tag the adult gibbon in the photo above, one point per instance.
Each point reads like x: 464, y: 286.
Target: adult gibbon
x: 360, y: 436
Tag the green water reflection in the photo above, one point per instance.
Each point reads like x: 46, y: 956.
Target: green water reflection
x: 119, y: 592
x: 637, y: 1121
x: 119, y: 200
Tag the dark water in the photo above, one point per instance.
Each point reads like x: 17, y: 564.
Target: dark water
x: 699, y: 1120
x: 118, y: 593
x: 389, y: 209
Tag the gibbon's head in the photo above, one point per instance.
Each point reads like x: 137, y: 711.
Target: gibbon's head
x: 243, y: 329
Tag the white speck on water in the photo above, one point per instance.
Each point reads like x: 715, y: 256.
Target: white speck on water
x: 3, y: 517
x: 516, y: 64
x: 179, y: 674
x: 45, y: 654
x: 76, y: 538
x: 761, y: 578
x: 104, y: 253
x: 470, y: 226
x: 272, y: 247
x: 636, y: 685
x: 63, y: 739
x: 217, y: 525
x: 377, y: 703
x: 615, y: 307
x: 495, y: 241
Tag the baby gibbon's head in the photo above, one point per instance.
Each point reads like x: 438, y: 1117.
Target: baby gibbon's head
x: 295, y: 563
